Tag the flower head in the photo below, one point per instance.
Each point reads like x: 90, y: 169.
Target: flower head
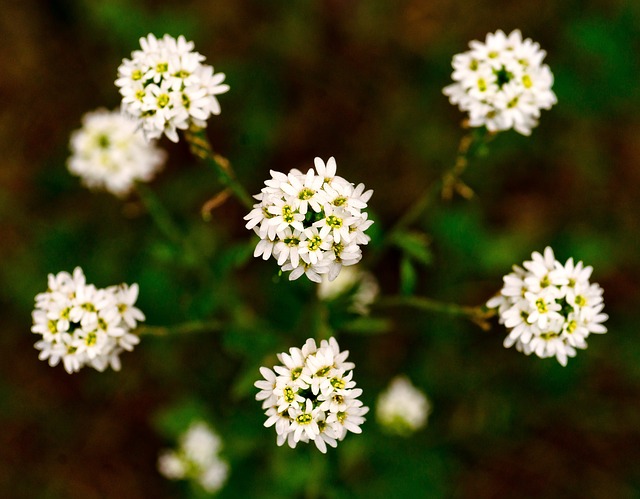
x: 549, y: 308
x: 197, y: 458
x: 80, y: 324
x: 109, y: 153
x: 312, y: 396
x: 312, y: 223
x: 166, y: 87
x: 502, y: 83
x: 402, y: 408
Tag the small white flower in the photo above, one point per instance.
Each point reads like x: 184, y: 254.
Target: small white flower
x: 360, y: 286
x: 109, y: 153
x: 312, y: 223
x: 312, y: 396
x: 502, y: 83
x: 83, y: 325
x: 213, y: 477
x: 549, y: 308
x: 402, y: 408
x: 197, y: 458
x: 171, y: 466
x: 166, y: 87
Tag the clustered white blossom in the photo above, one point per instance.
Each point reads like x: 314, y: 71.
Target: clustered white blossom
x: 360, y: 286
x: 166, y: 87
x: 502, y: 83
x: 197, y: 458
x: 110, y: 153
x: 549, y: 308
x: 83, y: 325
x: 312, y: 396
x: 402, y: 408
x: 312, y: 223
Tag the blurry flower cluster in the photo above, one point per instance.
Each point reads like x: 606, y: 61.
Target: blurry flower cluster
x: 312, y: 396
x: 549, y: 308
x: 110, y: 153
x: 197, y: 458
x: 83, y: 325
x: 312, y: 223
x: 502, y: 83
x: 402, y: 408
x: 359, y: 286
x: 166, y: 87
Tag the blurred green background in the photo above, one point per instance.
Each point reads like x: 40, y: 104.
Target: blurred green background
x: 361, y: 81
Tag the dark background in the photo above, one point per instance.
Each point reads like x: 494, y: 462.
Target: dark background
x: 361, y: 81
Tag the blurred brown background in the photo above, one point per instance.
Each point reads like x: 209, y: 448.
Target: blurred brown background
x: 361, y: 81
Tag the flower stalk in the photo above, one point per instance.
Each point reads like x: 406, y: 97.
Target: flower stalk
x: 201, y: 147
x: 469, y: 147
x: 180, y: 329
x: 479, y: 315
x: 159, y: 214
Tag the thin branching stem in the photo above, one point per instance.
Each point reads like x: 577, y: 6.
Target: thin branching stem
x: 478, y: 314
x: 201, y: 147
x: 159, y: 214
x: 449, y: 182
x: 179, y: 329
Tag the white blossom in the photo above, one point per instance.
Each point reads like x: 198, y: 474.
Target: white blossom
x: 312, y: 396
x: 549, y: 308
x: 109, y: 153
x: 166, y: 87
x: 312, y: 223
x: 81, y: 325
x: 502, y: 83
x: 402, y: 408
x: 360, y: 287
x: 196, y: 458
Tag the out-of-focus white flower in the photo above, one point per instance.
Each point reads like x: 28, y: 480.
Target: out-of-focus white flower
x: 171, y: 465
x: 109, y: 153
x: 196, y: 458
x: 361, y: 284
x: 83, y: 325
x: 502, y: 83
x: 166, y: 87
x: 549, y: 308
x: 312, y: 223
x: 200, y: 443
x: 311, y: 396
x: 402, y: 408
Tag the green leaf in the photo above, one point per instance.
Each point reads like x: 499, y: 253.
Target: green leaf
x: 367, y: 325
x: 408, y: 276
x: 414, y: 245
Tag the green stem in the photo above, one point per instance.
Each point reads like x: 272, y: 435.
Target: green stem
x: 170, y: 229
x: 178, y: 329
x: 430, y: 305
x: 411, y: 215
x: 201, y: 147
x: 468, y: 148
x: 161, y: 217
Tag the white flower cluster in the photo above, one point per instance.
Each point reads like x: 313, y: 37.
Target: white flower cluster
x: 549, y: 308
x: 197, y: 458
x: 166, y: 87
x: 312, y: 395
x: 402, y: 408
x: 360, y: 286
x: 83, y: 325
x: 110, y: 153
x: 312, y: 223
x: 502, y: 83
